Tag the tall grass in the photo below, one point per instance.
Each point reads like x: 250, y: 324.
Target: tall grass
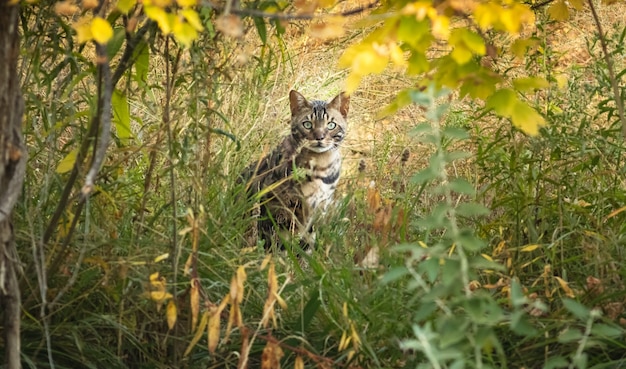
x: 521, y: 287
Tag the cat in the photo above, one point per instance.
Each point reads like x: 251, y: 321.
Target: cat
x: 294, y: 184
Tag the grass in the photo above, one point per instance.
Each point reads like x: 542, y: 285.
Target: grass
x: 561, y: 192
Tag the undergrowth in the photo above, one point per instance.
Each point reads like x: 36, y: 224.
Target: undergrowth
x: 411, y: 269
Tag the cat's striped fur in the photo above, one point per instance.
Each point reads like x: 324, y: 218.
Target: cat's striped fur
x: 295, y: 182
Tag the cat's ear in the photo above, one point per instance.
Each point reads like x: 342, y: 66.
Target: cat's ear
x: 297, y: 102
x: 341, y: 102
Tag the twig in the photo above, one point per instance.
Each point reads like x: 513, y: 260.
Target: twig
x: 290, y: 16
x: 541, y: 4
x: 609, y: 66
x: 105, y: 90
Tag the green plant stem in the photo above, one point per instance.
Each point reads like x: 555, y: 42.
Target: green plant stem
x: 609, y: 66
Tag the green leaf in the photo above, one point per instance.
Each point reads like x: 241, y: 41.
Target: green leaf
x: 520, y: 324
x: 472, y: 209
x: 67, y: 163
x: 607, y: 330
x: 470, y: 242
x: 576, y: 308
x: 142, y: 62
x: 503, y: 102
x: 517, y: 295
x: 415, y: 33
x: 115, y: 43
x: 418, y: 63
x: 555, y: 362
x: 462, y: 186
x: 261, y: 28
x: 569, y: 335
x: 458, y: 133
x: 121, y: 116
x: 394, y: 274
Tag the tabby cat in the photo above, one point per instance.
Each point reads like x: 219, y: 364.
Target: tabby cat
x: 295, y: 182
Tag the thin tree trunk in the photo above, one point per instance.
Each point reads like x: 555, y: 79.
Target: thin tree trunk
x: 12, y: 168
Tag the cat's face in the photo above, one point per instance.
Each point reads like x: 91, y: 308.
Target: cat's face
x: 317, y: 125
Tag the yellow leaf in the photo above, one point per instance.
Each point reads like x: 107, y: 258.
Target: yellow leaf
x: 326, y: 3
x: 194, y: 302
x: 530, y: 83
x: 527, y: 119
x: 614, y: 213
x: 299, y: 363
x: 503, y: 101
x: 270, y: 358
x: 83, y: 30
x: 565, y: 287
x: 187, y: 3
x: 488, y: 257
x: 561, y: 81
x: 576, y: 4
x: 441, y: 27
x: 184, y: 32
x: 344, y: 341
x: 193, y: 18
x: 461, y: 54
x: 161, y: 257
x: 101, y: 30
x: 163, y: 19
x: 213, y: 329
x: 199, y: 333
x: 67, y: 163
x: 486, y: 14
x: 171, y: 314
x: 529, y: 248
x: 125, y: 6
x: 510, y: 21
x: 558, y: 10
x: 154, y: 277
x: 160, y: 296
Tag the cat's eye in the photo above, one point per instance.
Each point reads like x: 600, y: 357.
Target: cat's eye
x: 331, y: 125
x: 307, y: 125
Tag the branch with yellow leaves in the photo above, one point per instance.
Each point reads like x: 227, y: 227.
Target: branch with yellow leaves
x: 289, y: 16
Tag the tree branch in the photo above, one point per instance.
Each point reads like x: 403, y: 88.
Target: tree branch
x: 290, y: 16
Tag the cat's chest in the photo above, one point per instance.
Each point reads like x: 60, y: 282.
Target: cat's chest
x: 322, y: 175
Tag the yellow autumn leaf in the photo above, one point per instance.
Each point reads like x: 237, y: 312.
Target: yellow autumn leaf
x: 163, y: 19
x: 441, y: 27
x: 213, y: 329
x: 194, y: 302
x: 67, y: 163
x: 160, y: 296
x: 101, y: 30
x: 565, y: 287
x: 576, y: 4
x: 154, y: 277
x: 527, y: 119
x: 529, y: 248
x: 199, y: 333
x: 558, y: 10
x: 172, y: 314
x: 125, y: 6
x: 344, y: 341
x: 186, y: 3
x: 486, y: 14
x: 193, y: 18
x: 487, y: 257
x: 161, y: 257
x: 83, y: 30
x: 299, y: 363
x: 184, y: 32
x: 158, y: 3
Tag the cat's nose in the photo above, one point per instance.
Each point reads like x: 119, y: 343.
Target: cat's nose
x: 319, y: 136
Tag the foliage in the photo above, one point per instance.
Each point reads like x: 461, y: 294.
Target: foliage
x: 413, y: 270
